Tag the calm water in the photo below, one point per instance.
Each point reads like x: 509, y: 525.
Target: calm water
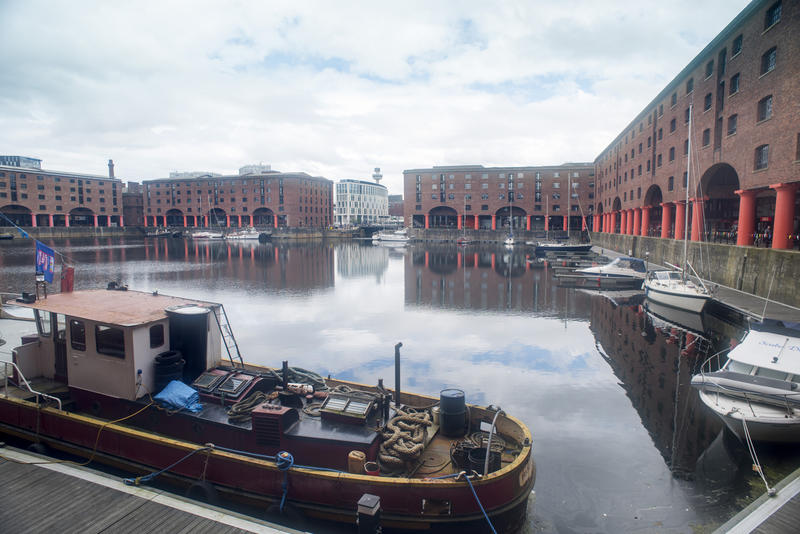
x: 621, y: 441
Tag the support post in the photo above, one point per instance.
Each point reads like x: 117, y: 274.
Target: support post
x: 397, y: 374
x: 747, y: 217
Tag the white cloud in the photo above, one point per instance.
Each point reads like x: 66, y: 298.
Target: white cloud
x: 334, y: 89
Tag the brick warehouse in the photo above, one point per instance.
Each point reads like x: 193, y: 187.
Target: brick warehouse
x: 270, y: 198
x: 31, y: 196
x: 478, y: 197
x: 742, y: 92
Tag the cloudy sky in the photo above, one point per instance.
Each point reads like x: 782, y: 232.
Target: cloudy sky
x: 334, y: 88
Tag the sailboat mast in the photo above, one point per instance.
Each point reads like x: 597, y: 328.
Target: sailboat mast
x: 569, y: 202
x: 686, y: 206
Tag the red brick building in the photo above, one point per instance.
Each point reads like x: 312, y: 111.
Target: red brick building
x: 478, y: 197
x: 266, y: 199
x: 31, y: 196
x: 741, y: 93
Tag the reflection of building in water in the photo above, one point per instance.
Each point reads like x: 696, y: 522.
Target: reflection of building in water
x: 655, y: 369
x: 486, y: 279
x: 355, y: 260
x: 296, y: 266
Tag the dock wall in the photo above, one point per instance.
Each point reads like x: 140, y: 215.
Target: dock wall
x: 749, y: 269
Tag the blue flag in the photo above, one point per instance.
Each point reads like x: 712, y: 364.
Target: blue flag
x: 45, y: 261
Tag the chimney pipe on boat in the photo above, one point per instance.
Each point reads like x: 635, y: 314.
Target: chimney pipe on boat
x: 397, y: 374
x: 285, y: 373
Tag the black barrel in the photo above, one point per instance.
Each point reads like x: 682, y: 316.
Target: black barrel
x: 452, y: 412
x: 477, y: 459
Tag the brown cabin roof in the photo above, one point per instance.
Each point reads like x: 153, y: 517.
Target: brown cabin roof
x: 124, y: 308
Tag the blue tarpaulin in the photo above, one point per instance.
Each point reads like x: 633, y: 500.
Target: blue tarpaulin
x: 179, y: 396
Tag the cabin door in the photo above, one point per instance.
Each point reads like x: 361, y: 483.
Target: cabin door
x: 60, y: 343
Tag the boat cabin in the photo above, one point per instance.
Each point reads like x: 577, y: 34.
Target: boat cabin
x: 107, y: 341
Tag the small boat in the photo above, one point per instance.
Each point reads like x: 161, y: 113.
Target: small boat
x: 672, y: 288
x: 398, y: 236
x: 621, y: 273
x: 246, y: 233
x: 139, y: 380
x: 757, y: 391
x: 159, y: 233
x: 207, y: 235
x: 556, y: 247
x: 509, y: 241
x: 463, y: 241
x: 6, y: 236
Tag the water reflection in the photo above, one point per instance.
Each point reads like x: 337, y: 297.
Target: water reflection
x: 621, y: 441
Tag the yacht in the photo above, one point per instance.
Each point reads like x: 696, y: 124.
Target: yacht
x: 672, y: 288
x: 398, y: 236
x: 622, y: 272
x: 757, y: 391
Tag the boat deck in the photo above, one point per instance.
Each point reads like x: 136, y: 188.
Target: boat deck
x: 59, y: 497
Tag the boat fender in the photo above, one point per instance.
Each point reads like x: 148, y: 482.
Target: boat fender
x: 203, y: 491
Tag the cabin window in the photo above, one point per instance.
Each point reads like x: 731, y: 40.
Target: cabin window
x: 77, y: 334
x: 110, y: 341
x: 771, y: 373
x: 739, y: 367
x: 156, y: 336
x: 43, y: 321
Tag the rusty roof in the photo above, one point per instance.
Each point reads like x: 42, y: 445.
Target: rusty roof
x: 124, y: 308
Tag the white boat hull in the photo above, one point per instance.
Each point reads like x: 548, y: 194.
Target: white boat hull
x: 676, y: 298
x: 764, y: 423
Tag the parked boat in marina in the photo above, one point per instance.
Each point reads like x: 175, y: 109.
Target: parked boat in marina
x: 757, y: 391
x: 207, y: 235
x: 621, y: 273
x: 279, y: 435
x: 398, y: 236
x: 244, y: 234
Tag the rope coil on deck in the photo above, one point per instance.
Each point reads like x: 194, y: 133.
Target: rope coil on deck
x: 404, y: 438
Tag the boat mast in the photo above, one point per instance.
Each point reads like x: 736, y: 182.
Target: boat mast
x: 569, y: 202
x: 686, y: 206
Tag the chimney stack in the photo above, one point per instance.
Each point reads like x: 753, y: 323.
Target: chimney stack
x: 111, y: 168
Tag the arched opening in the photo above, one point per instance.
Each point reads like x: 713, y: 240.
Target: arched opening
x: 174, y: 217
x: 721, y: 207
x: 263, y: 217
x: 513, y: 217
x: 19, y: 215
x: 217, y: 217
x: 442, y: 217
x: 652, y: 200
x: 599, y: 217
x: 81, y: 217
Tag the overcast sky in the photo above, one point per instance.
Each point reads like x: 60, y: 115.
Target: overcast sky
x: 334, y: 88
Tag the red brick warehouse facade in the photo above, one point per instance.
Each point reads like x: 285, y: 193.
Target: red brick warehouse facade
x: 478, y: 197
x: 742, y: 93
x: 268, y: 199
x: 33, y: 197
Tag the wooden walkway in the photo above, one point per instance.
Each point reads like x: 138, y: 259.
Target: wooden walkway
x: 63, y: 498
x: 770, y: 515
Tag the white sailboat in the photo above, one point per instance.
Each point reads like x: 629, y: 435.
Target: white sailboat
x: 673, y: 287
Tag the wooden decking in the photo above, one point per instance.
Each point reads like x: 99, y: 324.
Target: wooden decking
x: 54, y: 497
x: 770, y: 515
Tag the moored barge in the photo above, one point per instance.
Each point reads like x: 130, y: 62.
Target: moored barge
x: 284, y: 436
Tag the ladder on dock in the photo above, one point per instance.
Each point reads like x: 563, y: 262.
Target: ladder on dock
x: 228, y: 339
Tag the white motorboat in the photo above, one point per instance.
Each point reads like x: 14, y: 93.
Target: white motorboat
x: 671, y: 288
x: 509, y: 241
x: 398, y: 236
x: 620, y: 272
x: 246, y: 233
x: 207, y: 235
x: 757, y: 391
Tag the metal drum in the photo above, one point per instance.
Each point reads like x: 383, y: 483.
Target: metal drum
x: 452, y: 412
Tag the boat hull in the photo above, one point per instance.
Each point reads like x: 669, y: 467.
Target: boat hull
x: 764, y: 423
x: 405, y: 502
x: 543, y: 248
x: 692, y: 303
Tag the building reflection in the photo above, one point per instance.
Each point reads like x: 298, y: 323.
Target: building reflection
x: 654, y: 360
x: 361, y: 259
x: 490, y: 278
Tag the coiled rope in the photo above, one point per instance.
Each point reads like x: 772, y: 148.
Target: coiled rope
x: 404, y: 438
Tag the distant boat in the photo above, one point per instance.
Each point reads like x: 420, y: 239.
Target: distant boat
x: 207, y: 235
x: 398, y: 236
x: 246, y: 233
x: 621, y: 273
x: 509, y: 241
x: 755, y: 393
x: 463, y: 241
x: 542, y: 248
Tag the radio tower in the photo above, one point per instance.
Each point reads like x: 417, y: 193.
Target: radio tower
x: 377, y: 176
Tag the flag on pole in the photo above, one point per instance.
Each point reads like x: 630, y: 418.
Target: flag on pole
x: 45, y: 261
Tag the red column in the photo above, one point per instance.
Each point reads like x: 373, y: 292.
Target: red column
x: 680, y: 219
x: 623, y: 221
x: 747, y: 217
x: 784, y: 214
x: 528, y: 224
x: 50, y: 220
x: 184, y: 222
x: 583, y: 222
x: 596, y: 222
x: 666, y: 219
x: 458, y: 221
x: 698, y: 222
x: 477, y: 222
x: 546, y: 223
x: 33, y: 220
x: 66, y: 220
x: 227, y: 221
x: 275, y: 220
x: 630, y: 222
x: 95, y: 221
x: 645, y: 221
x: 494, y: 222
x: 565, y: 220
x: 613, y: 222
x: 637, y: 221
x: 427, y: 221
x: 122, y: 223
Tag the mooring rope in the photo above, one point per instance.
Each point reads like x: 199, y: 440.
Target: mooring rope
x: 474, y: 493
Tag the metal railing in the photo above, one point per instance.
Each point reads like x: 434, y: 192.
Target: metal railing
x: 23, y: 380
